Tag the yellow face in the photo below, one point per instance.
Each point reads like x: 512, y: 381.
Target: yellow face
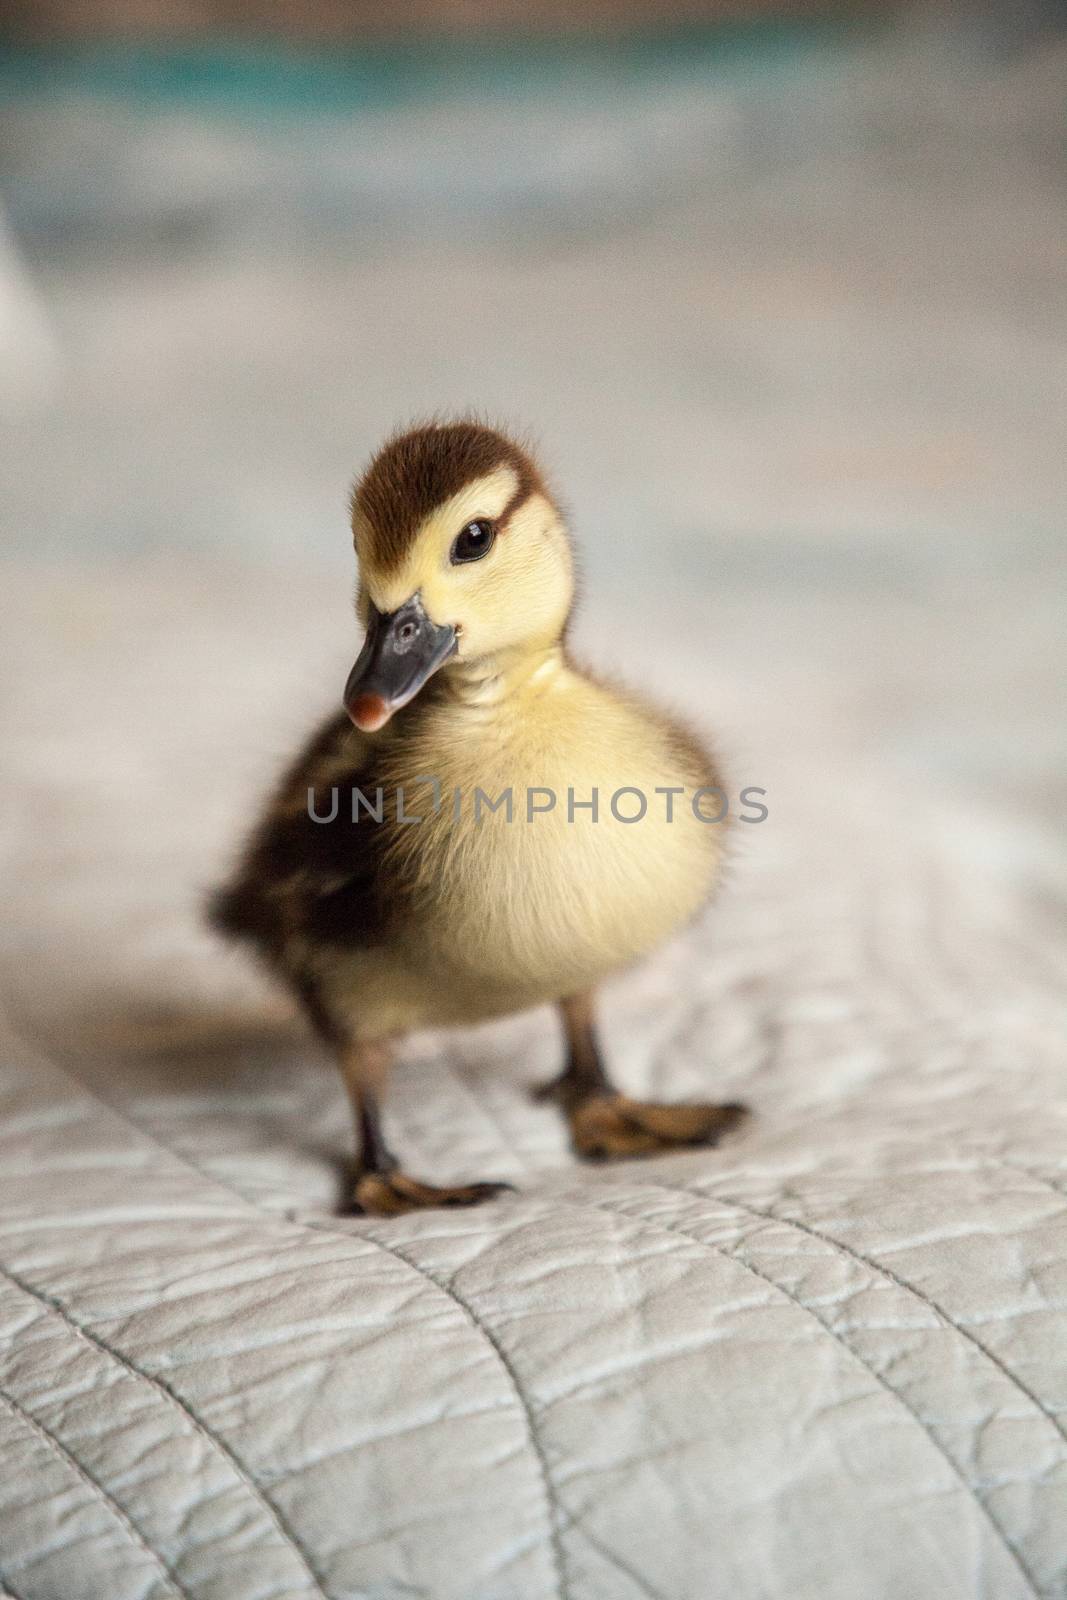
x: 514, y: 596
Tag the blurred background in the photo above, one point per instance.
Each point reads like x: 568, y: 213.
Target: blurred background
x: 781, y: 291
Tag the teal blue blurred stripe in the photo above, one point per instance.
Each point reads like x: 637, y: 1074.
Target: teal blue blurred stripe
x: 253, y: 78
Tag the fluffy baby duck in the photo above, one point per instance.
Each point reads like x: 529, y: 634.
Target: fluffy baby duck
x: 485, y: 827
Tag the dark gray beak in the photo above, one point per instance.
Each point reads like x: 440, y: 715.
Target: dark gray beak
x: 401, y: 651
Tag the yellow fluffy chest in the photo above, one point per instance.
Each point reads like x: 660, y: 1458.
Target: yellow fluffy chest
x: 559, y: 840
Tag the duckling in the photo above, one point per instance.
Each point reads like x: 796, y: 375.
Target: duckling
x: 485, y: 826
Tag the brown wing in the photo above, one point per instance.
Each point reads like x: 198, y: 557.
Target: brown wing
x: 301, y: 879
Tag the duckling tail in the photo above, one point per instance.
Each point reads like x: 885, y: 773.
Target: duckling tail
x: 228, y: 910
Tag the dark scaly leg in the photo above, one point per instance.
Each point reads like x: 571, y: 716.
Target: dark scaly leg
x: 382, y: 1189
x: 606, y: 1125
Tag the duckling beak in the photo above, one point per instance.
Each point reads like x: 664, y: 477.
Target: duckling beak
x: 403, y: 648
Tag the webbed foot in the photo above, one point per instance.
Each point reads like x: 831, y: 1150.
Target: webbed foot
x: 390, y: 1194
x: 612, y: 1127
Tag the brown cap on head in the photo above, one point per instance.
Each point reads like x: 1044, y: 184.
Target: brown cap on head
x: 419, y: 470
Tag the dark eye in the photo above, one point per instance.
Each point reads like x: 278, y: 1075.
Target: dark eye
x: 475, y: 541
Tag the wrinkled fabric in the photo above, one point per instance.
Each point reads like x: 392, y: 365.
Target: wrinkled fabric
x: 826, y: 1360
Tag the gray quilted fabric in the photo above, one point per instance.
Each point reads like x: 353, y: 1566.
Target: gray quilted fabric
x: 803, y: 389
x: 828, y: 1360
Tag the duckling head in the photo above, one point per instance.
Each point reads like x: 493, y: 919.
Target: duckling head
x: 463, y: 557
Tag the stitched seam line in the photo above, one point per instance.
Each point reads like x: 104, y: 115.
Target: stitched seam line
x: 553, y: 1508
x: 59, y: 1449
x: 552, y: 1502
x: 894, y: 1277
x: 556, y: 1508
x: 38, y: 1055
x: 552, y: 1496
x: 638, y: 1580
x: 883, y: 1383
x: 199, y: 1427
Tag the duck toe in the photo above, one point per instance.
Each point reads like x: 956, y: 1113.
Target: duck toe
x: 614, y: 1127
x: 391, y: 1194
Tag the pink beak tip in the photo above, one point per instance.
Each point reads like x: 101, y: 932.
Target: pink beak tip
x: 369, y: 712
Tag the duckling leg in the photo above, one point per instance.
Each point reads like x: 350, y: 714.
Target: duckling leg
x: 381, y: 1188
x: 607, y: 1125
